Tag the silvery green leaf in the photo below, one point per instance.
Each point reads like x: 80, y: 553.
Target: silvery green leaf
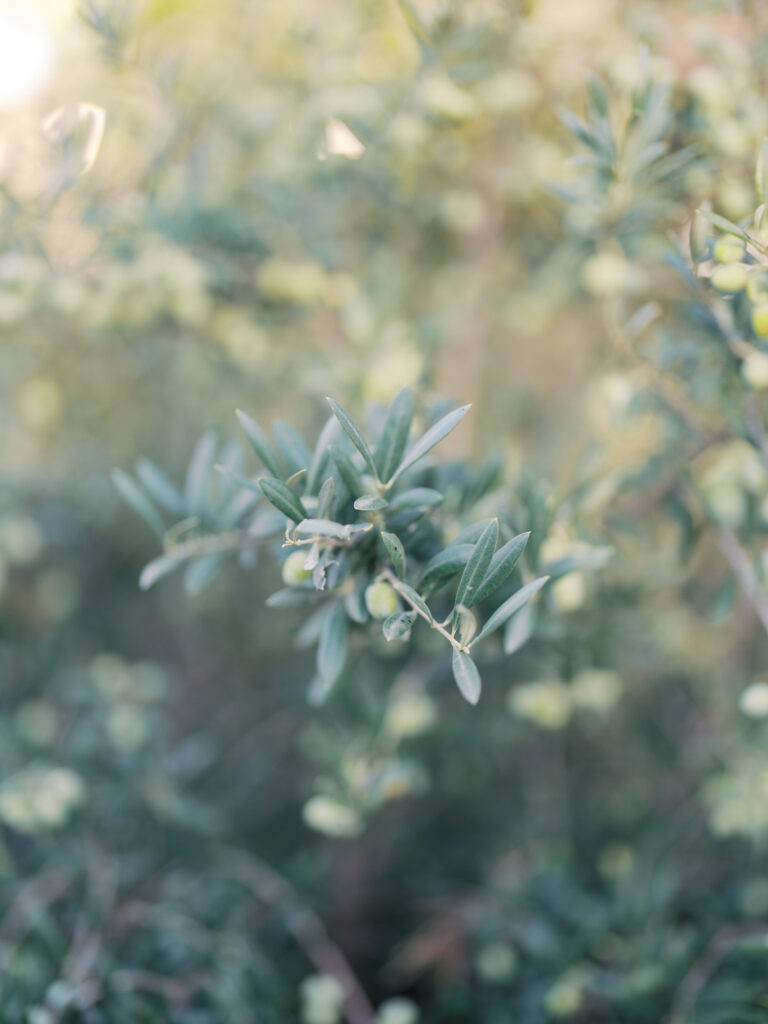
x: 138, y: 501
x: 260, y: 443
x: 416, y: 497
x: 510, y: 606
x: 282, y: 497
x: 519, y: 629
x: 370, y: 503
x: 320, y: 455
x: 352, y: 431
x: 158, y: 568
x: 398, y: 625
x: 433, y: 436
x: 347, y: 471
x: 446, y: 563
x: 290, y: 597
x: 332, y: 645
x: 395, y: 550
x: 502, y: 564
x: 477, y: 565
x: 199, y: 572
x: 725, y: 225
x: 292, y: 446
x: 199, y: 474
x: 165, y: 493
x: 466, y: 623
x: 466, y: 675
x: 394, y: 436
x: 325, y: 499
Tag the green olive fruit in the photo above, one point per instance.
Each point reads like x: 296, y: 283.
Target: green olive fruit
x: 729, y: 249
x: 294, y: 572
x: 760, y: 320
x: 381, y: 600
x: 729, y: 277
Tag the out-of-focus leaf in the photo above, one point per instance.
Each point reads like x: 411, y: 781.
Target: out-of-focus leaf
x: 352, y: 431
x: 510, y: 606
x: 283, y: 498
x: 477, y: 565
x: 292, y: 447
x: 260, y: 443
x: 433, y: 436
x: 332, y: 645
x: 199, y: 474
x: 138, y: 501
x: 466, y: 675
x: 394, y: 436
x: 165, y: 493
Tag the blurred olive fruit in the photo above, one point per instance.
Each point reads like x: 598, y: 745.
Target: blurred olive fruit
x: 754, y: 370
x: 729, y: 277
x: 760, y: 320
x: 294, y: 572
x: 729, y: 249
x: 380, y: 600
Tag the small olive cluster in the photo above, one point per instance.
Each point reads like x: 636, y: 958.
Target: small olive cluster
x: 373, y: 531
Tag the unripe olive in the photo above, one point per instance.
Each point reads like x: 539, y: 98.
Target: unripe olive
x: 729, y: 249
x: 754, y: 370
x: 380, y: 600
x: 294, y: 572
x: 729, y: 277
x: 760, y: 320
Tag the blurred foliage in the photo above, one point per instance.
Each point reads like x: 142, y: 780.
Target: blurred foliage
x: 252, y: 205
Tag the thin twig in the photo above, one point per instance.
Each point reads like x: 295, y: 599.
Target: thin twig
x: 722, y: 943
x: 395, y: 582
x: 305, y: 926
x: 745, y: 574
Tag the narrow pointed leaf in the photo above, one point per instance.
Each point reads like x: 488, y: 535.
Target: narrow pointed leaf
x: 325, y: 499
x: 416, y: 497
x: 510, y: 606
x: 157, y: 569
x: 446, y: 563
x: 165, y: 493
x: 260, y: 443
x: 502, y: 564
x: 725, y: 225
x: 283, y: 498
x: 466, y: 675
x: 348, y: 471
x: 370, y: 503
x: 396, y: 551
x: 200, y: 572
x: 519, y: 629
x: 477, y: 566
x: 433, y: 436
x: 394, y: 436
x: 352, y: 431
x: 332, y: 646
x: 321, y: 528
x: 138, y: 501
x: 467, y: 624
x: 199, y: 474
x: 292, y: 446
x: 397, y: 625
x: 320, y: 455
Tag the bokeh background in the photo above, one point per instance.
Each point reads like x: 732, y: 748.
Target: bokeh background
x: 210, y: 206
